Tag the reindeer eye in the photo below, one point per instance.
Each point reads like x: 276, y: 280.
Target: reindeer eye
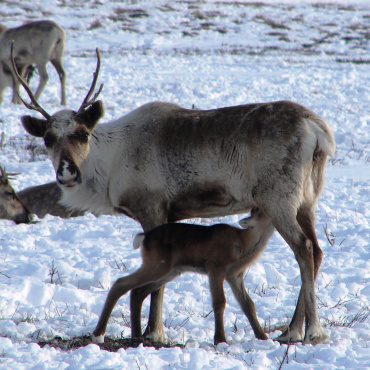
x: 82, y: 136
x: 49, y: 140
x: 10, y: 194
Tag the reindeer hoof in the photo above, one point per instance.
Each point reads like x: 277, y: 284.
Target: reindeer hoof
x: 99, y: 339
x: 316, y: 337
x: 156, y: 337
x: 290, y: 336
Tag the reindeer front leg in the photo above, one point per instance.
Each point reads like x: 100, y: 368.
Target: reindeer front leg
x: 136, y: 301
x: 144, y: 275
x: 149, y: 219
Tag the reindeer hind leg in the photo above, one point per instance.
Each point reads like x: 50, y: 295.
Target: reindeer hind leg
x: 137, y: 298
x: 284, y: 218
x: 58, y: 65
x: 246, y: 304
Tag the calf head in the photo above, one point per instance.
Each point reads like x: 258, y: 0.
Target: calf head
x: 66, y: 133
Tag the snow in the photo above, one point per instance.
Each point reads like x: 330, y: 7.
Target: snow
x: 54, y: 275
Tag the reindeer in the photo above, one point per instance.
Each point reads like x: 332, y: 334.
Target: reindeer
x: 44, y: 199
x: 11, y: 207
x: 163, y: 163
x: 221, y: 251
x: 40, y: 200
x: 34, y: 43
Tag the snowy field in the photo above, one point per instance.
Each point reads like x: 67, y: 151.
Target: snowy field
x: 54, y: 275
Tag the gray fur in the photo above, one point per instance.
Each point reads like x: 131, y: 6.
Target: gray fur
x: 34, y: 43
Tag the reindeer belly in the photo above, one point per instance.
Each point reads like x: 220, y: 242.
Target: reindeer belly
x: 206, y: 201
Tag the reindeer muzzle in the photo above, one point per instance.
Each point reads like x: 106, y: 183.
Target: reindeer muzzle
x: 24, y: 218
x: 68, y: 174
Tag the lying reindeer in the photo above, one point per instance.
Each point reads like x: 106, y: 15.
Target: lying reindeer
x: 220, y: 251
x: 34, y: 43
x: 11, y: 207
x: 38, y: 200
x: 44, y: 200
x: 163, y: 163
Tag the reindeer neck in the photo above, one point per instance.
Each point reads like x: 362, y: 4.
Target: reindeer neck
x: 93, y: 193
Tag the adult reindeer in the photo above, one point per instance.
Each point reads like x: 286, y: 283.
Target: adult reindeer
x: 163, y: 163
x: 34, y: 43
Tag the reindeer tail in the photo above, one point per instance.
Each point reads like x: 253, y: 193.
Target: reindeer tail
x: 324, y: 136
x: 138, y: 241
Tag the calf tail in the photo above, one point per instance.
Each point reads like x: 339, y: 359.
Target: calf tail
x: 138, y: 241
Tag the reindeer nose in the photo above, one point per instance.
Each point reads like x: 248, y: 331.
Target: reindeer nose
x: 68, y: 173
x: 71, y: 181
x: 24, y: 218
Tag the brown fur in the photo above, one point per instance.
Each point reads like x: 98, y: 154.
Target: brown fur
x: 220, y: 251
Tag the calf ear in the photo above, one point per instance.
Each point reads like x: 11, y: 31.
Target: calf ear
x: 246, y: 222
x: 90, y: 116
x: 34, y: 126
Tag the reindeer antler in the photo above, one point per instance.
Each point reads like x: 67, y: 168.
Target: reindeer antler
x: 34, y: 104
x: 86, y: 101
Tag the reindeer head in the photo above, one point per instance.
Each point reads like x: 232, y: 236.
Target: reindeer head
x: 66, y: 133
x: 11, y: 207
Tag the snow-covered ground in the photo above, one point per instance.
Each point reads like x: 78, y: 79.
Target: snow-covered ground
x: 54, y: 275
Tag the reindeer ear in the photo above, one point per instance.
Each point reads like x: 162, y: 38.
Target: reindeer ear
x: 34, y: 126
x: 90, y: 116
x: 246, y: 222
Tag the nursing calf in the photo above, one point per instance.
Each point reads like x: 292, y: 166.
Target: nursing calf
x: 219, y: 251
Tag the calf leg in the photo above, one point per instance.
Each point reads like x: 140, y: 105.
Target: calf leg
x: 136, y: 301
x: 216, y: 277
x: 142, y: 276
x: 246, y: 304
x: 150, y: 217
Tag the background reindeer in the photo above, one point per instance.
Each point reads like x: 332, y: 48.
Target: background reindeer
x: 11, y: 207
x: 220, y: 251
x: 38, y: 200
x: 162, y: 163
x: 44, y: 199
x: 34, y: 43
